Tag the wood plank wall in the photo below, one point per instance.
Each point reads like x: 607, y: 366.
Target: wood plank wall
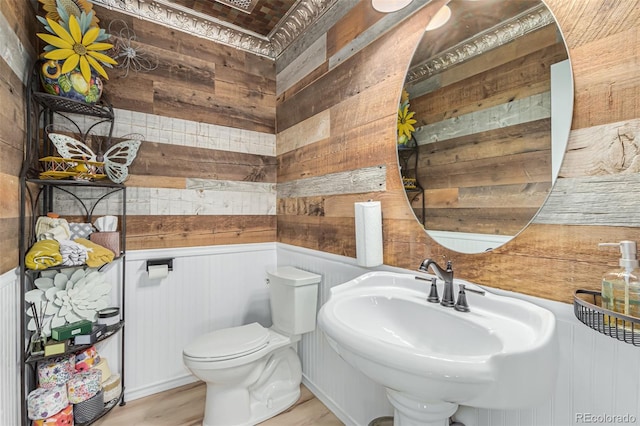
x: 227, y: 98
x: 358, y: 96
x: 484, y: 137
x: 206, y: 171
x: 17, y: 30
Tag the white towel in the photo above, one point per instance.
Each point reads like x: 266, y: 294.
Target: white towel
x: 73, y: 254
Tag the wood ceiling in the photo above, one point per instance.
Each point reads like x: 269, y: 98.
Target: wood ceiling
x: 257, y: 16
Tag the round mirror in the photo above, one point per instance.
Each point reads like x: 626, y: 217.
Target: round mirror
x: 491, y: 93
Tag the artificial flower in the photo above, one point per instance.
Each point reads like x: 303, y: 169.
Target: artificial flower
x: 405, y: 121
x: 61, y: 10
x: 404, y: 98
x: 77, y: 46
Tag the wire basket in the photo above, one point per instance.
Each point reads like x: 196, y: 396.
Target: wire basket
x: 613, y: 324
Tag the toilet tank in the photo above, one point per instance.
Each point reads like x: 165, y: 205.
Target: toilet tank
x: 293, y: 299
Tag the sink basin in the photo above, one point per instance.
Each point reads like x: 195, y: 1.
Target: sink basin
x: 431, y: 358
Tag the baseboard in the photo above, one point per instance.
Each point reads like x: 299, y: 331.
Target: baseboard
x: 328, y: 402
x: 133, y: 394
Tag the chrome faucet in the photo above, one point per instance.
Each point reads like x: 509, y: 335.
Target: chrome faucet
x: 444, y: 275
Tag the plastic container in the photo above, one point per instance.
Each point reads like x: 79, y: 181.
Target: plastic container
x: 109, y: 317
x: 621, y: 287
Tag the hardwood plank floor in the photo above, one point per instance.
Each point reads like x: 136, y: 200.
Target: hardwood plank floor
x: 184, y: 406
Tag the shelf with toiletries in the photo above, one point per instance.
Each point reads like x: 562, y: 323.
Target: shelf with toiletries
x: 72, y: 261
x: 587, y: 307
x: 615, y: 311
x: 72, y: 348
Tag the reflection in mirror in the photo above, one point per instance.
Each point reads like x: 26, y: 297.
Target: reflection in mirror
x: 492, y: 94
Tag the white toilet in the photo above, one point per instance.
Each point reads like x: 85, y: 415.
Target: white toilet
x: 253, y: 373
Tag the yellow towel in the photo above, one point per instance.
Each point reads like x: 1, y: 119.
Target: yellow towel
x: 43, y: 254
x: 96, y: 254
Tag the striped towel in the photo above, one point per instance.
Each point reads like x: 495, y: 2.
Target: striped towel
x: 73, y: 254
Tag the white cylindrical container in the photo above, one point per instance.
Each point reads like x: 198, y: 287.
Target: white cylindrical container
x: 368, y: 217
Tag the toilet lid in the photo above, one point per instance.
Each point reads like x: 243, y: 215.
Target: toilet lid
x: 229, y: 342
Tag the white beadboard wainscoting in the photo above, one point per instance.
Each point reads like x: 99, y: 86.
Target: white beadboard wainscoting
x: 209, y: 288
x: 9, y: 349
x: 598, y: 377
x: 222, y: 286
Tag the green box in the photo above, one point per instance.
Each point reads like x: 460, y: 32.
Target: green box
x: 67, y: 331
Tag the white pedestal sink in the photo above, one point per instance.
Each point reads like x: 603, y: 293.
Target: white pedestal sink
x: 430, y: 358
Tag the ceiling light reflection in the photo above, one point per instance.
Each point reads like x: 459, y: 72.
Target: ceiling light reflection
x: 388, y: 6
x: 440, y: 18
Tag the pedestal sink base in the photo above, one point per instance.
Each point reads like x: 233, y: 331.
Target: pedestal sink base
x: 409, y: 411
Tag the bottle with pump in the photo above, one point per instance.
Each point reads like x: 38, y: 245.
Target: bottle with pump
x: 621, y: 288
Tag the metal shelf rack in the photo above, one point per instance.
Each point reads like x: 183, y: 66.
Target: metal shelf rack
x: 586, y: 307
x: 37, y: 198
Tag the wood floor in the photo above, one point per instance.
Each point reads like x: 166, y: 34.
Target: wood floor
x: 184, y: 406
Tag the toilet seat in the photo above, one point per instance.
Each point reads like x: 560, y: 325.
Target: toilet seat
x: 228, y: 343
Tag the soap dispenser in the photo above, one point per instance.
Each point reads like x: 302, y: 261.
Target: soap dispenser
x: 621, y: 287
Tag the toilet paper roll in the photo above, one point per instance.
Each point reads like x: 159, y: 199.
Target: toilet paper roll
x: 103, y: 367
x: 368, y: 218
x: 112, y: 387
x: 56, y: 372
x: 87, y: 359
x: 43, y: 403
x: 64, y: 417
x: 84, y: 386
x: 157, y: 272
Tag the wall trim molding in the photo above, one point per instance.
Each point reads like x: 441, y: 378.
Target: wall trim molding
x: 198, y: 251
x: 166, y: 385
x: 507, y: 31
x: 330, y: 403
x: 304, y: 14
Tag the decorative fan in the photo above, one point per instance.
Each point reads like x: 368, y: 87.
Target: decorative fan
x: 117, y: 159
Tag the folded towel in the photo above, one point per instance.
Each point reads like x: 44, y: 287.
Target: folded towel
x: 73, y: 254
x: 43, y: 254
x: 96, y: 254
x: 48, y: 228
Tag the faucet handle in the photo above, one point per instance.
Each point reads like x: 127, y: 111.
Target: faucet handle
x: 433, y: 294
x: 461, y: 304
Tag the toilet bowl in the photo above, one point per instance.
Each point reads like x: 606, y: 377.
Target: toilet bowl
x: 251, y: 372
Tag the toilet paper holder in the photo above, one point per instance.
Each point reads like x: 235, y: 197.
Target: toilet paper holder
x: 159, y: 262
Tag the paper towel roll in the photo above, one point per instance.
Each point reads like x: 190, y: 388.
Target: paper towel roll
x: 369, y: 233
x: 158, y: 271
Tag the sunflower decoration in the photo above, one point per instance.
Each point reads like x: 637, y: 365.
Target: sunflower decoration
x: 75, y: 38
x: 405, y: 120
x: 60, y: 10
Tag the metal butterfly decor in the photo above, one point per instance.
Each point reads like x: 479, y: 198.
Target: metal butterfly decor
x: 117, y: 159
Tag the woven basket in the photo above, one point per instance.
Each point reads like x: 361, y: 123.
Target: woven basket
x: 90, y: 409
